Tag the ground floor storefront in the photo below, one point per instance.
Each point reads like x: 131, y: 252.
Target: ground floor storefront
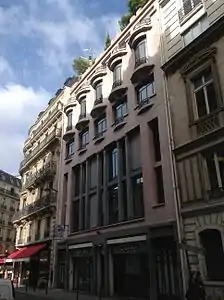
x: 139, y: 266
x: 31, y: 265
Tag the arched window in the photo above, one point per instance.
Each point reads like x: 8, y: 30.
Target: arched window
x: 211, y: 240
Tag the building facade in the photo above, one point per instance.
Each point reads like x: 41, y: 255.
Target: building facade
x: 193, y: 44
x: 10, y: 187
x: 35, y: 218
x: 116, y: 193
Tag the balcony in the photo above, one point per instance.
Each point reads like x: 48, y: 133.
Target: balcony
x: 45, y: 173
x: 82, y: 122
x: 119, y: 51
x: 143, y: 26
x: 118, y: 91
x: 98, y: 107
x: 189, y: 6
x: 9, y: 192
x: 40, y: 148
x: 98, y: 73
x: 143, y: 68
x: 39, y: 206
x: 84, y: 88
x: 70, y: 131
x: 72, y: 102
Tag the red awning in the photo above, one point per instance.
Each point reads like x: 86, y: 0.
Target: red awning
x: 26, y: 252
x: 2, y: 261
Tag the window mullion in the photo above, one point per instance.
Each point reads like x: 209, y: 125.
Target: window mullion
x: 219, y: 179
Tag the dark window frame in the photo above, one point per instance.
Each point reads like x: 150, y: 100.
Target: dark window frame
x: 121, y: 107
x: 70, y: 148
x: 117, y: 74
x: 84, y: 139
x: 69, y: 119
x: 101, y: 121
x: 141, y: 52
x: 143, y: 91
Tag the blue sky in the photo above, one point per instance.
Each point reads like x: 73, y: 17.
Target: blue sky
x: 38, y: 40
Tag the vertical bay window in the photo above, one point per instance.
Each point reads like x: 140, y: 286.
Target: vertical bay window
x: 140, y: 53
x: 69, y: 120
x: 154, y: 128
x: 204, y: 93
x: 117, y: 78
x: 146, y: 91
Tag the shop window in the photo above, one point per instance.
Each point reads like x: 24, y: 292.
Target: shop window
x: 211, y: 240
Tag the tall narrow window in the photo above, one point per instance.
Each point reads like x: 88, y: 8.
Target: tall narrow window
x: 76, y: 216
x: 120, y: 110
x: 214, y: 256
x: 155, y: 139
x: 84, y: 139
x: 113, y: 163
x: 205, y: 98
x: 113, y: 204
x: 117, y: 79
x: 146, y: 91
x: 137, y: 186
x: 100, y: 127
x: 140, y: 53
x: 69, y: 123
x: 98, y: 90
x: 70, y: 148
x: 83, y: 106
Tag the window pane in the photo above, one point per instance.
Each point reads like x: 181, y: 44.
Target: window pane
x: 117, y: 73
x: 98, y: 91
x: 113, y: 163
x: 212, y: 171
x: 159, y: 181
x: 137, y: 184
x: 211, y: 95
x: 200, y: 102
x: 113, y: 205
x: 83, y: 106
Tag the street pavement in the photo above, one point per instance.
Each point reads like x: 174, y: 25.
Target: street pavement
x: 24, y: 296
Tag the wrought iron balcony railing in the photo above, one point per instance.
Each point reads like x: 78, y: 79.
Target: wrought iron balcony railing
x: 48, y: 169
x: 187, y: 8
x: 40, y: 204
x: 40, y: 147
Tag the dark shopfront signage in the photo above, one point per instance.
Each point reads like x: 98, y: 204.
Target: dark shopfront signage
x: 129, y: 248
x: 82, y: 252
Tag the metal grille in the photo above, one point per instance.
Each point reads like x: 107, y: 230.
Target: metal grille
x: 188, y: 6
x: 209, y: 124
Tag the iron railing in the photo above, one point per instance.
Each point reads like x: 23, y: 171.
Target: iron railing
x: 40, y: 204
x: 187, y: 8
x: 40, y: 147
x: 48, y: 169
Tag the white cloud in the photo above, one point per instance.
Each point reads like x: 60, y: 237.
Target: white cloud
x: 20, y: 106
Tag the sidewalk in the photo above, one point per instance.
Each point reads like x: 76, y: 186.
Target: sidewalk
x: 58, y: 294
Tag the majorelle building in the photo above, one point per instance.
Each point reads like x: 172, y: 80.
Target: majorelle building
x: 35, y: 219
x: 116, y: 195
x: 193, y: 36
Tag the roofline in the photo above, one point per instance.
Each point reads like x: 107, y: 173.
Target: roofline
x: 114, y: 42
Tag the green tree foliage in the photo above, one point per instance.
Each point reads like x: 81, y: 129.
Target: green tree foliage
x: 133, y: 6
x: 107, y: 41
x: 81, y: 64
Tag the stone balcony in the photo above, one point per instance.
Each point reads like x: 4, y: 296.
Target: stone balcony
x: 119, y: 51
x: 142, y: 26
x: 98, y: 73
